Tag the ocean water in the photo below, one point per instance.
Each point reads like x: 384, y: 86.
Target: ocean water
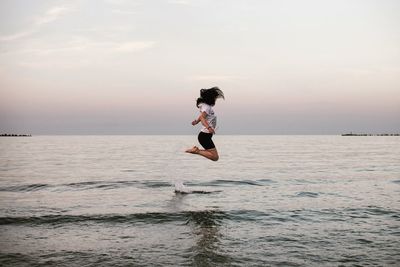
x: 269, y: 201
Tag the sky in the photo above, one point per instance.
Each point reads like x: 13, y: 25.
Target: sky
x: 136, y: 66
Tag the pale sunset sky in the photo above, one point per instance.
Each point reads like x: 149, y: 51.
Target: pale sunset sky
x: 136, y: 66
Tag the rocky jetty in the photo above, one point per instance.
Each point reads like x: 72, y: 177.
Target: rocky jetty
x: 15, y: 135
x: 364, y: 134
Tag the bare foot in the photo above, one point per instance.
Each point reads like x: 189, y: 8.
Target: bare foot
x: 192, y: 150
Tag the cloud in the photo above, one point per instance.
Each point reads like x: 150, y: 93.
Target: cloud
x: 76, y: 53
x: 52, y: 64
x: 50, y: 15
x: 179, y: 2
x: 80, y: 44
x: 134, y: 46
x: 16, y: 36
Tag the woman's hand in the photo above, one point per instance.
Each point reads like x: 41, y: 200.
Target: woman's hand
x: 195, y: 122
x: 211, y: 130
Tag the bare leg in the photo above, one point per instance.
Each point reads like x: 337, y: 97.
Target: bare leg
x: 209, y: 154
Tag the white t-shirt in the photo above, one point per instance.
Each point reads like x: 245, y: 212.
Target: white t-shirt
x: 211, y: 118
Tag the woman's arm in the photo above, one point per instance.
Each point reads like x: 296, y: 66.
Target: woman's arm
x: 196, y: 121
x: 203, y: 120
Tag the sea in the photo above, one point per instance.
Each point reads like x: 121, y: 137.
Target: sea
x: 270, y: 200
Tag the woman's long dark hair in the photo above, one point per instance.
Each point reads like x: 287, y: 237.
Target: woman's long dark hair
x: 209, y: 96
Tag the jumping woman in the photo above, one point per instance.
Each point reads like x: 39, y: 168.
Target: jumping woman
x: 209, y: 121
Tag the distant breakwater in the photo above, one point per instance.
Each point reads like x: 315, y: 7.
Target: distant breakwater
x: 364, y: 134
x: 15, y: 135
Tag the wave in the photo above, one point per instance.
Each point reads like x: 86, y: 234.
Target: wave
x: 307, y: 194
x: 222, y: 182
x: 373, y: 211
x: 117, y: 184
x: 24, y: 188
x: 199, y: 217
x: 196, y: 192
x: 105, y: 185
x: 85, y: 186
x: 150, y: 218
x: 215, y: 217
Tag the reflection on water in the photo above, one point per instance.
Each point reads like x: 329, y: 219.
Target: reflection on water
x: 206, y: 229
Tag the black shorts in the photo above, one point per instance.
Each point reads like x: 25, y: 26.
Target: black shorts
x: 205, y: 140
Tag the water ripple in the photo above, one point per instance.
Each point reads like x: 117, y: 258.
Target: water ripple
x: 85, y: 186
x: 307, y: 194
x: 269, y: 216
x: 106, y: 185
x: 148, y: 217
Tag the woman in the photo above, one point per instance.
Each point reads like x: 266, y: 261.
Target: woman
x: 209, y: 121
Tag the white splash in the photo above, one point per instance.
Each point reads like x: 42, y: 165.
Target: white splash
x: 181, y: 188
